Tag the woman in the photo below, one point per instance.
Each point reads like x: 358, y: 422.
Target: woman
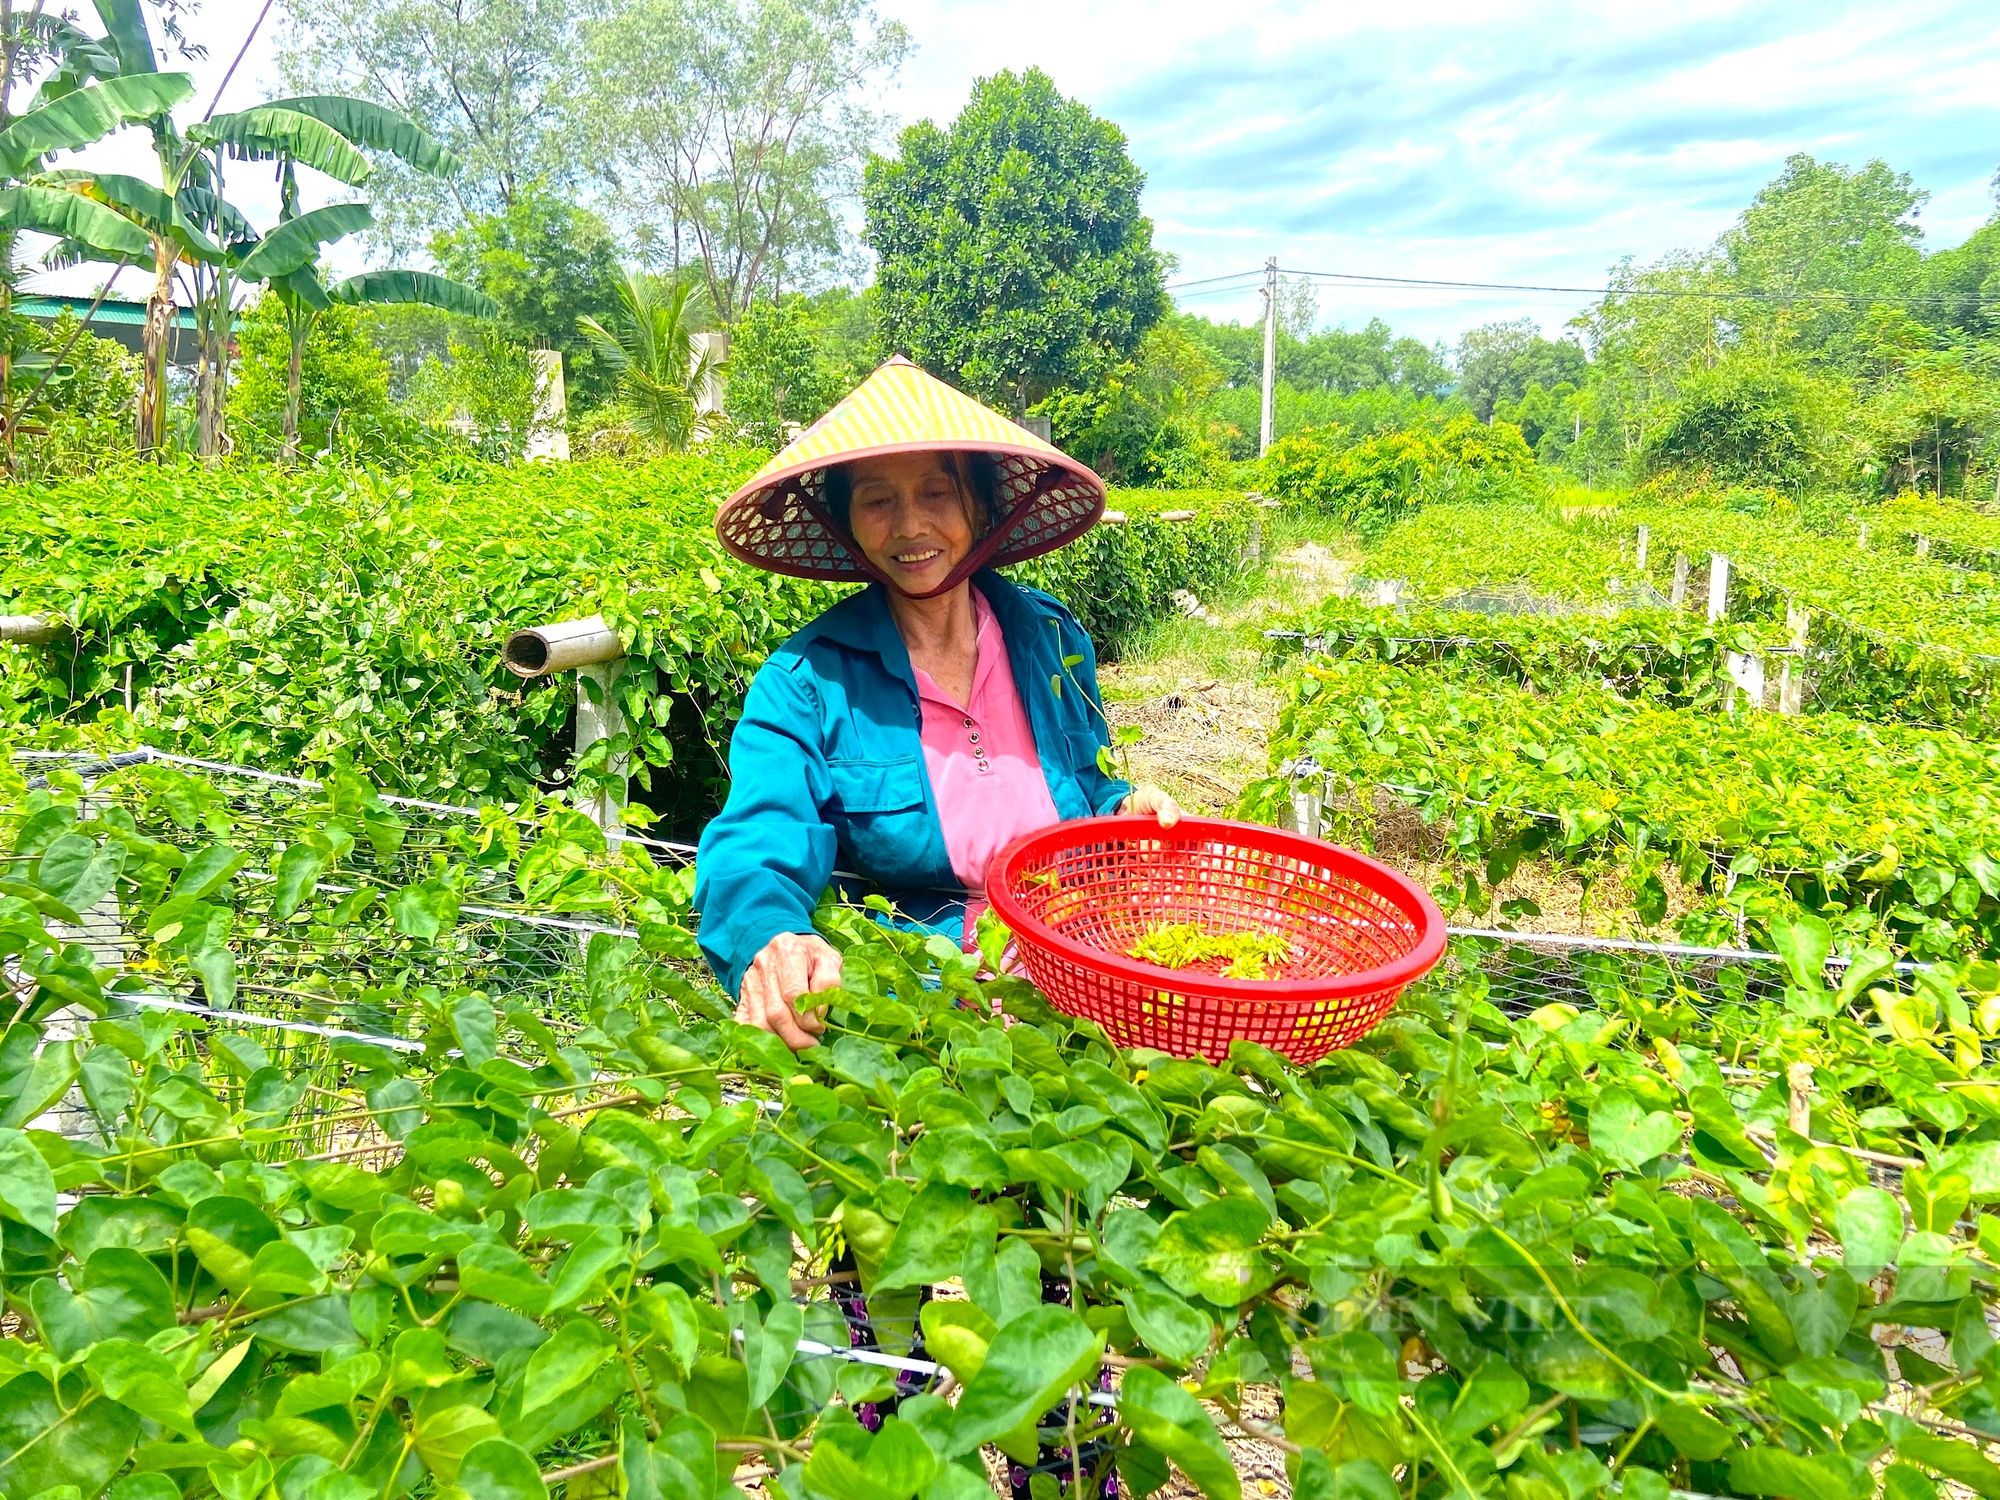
x: 919, y: 726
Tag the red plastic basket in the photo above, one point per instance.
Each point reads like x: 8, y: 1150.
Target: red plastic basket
x: 1078, y: 895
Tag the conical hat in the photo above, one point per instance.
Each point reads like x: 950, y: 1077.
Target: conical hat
x: 777, y: 520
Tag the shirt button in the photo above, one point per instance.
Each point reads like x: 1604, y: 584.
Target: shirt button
x: 975, y: 736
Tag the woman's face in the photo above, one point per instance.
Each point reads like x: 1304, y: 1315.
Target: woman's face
x: 910, y: 518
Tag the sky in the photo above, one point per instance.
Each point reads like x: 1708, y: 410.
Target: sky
x: 1490, y: 142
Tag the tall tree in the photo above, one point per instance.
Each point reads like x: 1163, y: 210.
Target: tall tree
x: 492, y: 79
x: 546, y: 263
x: 1011, y: 253
x: 1817, y: 243
x: 189, y: 222
x: 1498, y: 362
x: 68, y: 115
x: 728, y: 130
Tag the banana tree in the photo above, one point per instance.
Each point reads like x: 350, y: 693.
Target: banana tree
x: 324, y: 132
x: 67, y: 118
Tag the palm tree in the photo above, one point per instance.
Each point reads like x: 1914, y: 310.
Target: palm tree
x: 663, y: 371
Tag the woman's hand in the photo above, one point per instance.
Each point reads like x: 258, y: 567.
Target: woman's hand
x: 792, y: 964
x: 1150, y: 801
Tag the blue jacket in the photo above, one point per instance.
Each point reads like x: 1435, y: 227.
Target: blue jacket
x: 827, y: 770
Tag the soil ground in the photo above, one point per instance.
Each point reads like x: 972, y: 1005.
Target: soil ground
x: 1206, y: 691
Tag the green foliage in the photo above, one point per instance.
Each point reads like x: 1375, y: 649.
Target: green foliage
x: 1117, y: 579
x: 1668, y: 656
x: 1367, y: 380
x: 780, y: 374
x: 1953, y: 533
x: 662, y: 375
x: 82, y: 417
x: 492, y: 84
x: 548, y: 263
x: 532, y: 1219
x: 1373, y: 481
x: 1142, y: 424
x: 343, y: 376
x: 734, y: 130
x: 1893, y: 637
x: 1752, y: 419
x: 1901, y: 637
x: 1011, y: 256
x: 1819, y: 227
x: 1519, y: 549
x: 482, y: 378
x: 1815, y: 344
x: 1760, y: 814
x: 1498, y: 362
x: 1550, y: 419
x: 1934, y: 414
x: 1334, y: 361
x: 312, y: 618
x: 325, y: 617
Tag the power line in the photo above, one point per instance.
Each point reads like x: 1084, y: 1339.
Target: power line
x: 1364, y: 279
x: 1204, y: 281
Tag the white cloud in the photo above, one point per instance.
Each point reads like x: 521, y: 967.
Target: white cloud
x: 1517, y: 142
x: 1520, y: 143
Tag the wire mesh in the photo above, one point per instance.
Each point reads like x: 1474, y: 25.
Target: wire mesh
x: 321, y: 981
x: 301, y: 995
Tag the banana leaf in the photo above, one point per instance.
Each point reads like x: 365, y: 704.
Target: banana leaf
x: 296, y: 242
x: 125, y: 28
x: 264, y: 134
x: 376, y: 127
x: 71, y: 216
x: 423, y: 287
x: 78, y: 119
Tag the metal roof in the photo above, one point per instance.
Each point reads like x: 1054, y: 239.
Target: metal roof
x: 110, y: 310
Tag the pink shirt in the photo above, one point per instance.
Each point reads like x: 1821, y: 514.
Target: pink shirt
x: 983, y: 766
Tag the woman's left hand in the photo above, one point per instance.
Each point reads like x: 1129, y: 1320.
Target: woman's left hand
x: 1150, y: 801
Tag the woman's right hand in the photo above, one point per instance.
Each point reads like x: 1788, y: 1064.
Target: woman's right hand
x: 791, y: 964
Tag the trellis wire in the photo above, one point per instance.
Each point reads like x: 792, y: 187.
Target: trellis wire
x: 1513, y: 987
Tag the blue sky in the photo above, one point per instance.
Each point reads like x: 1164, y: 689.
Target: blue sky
x: 1477, y: 142
x: 1485, y: 142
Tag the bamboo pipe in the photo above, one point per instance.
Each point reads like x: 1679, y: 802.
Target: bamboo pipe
x: 559, y: 647
x: 29, y: 630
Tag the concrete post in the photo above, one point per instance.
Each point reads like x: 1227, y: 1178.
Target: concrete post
x: 1746, y: 675
x: 1718, y: 587
x: 1679, y: 596
x: 1388, y: 593
x: 1792, y: 679
x: 549, y: 438
x: 598, y: 717
x: 1645, y: 540
x: 593, y: 648
x: 1306, y: 810
x: 713, y: 347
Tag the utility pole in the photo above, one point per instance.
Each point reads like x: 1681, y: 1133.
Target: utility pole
x: 1270, y: 353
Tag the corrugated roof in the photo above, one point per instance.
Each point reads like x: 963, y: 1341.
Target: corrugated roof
x: 110, y: 310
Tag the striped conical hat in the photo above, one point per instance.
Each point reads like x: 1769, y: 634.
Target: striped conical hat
x: 777, y: 520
